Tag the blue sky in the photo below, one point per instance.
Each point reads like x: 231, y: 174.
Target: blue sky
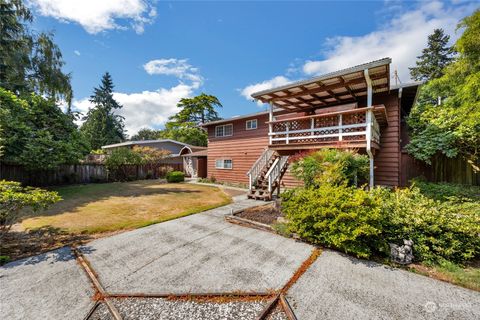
x: 159, y: 52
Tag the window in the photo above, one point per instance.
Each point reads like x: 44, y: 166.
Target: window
x: 224, y: 130
x: 251, y: 124
x: 223, y: 164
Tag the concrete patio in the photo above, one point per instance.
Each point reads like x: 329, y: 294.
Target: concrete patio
x: 204, y: 254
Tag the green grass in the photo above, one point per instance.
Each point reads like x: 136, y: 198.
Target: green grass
x: 97, y: 208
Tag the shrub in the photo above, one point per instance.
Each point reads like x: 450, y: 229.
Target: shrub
x: 440, y: 230
x: 164, y: 170
x: 364, y: 222
x: 14, y: 198
x: 175, y: 176
x: 332, y: 166
x: 343, y: 217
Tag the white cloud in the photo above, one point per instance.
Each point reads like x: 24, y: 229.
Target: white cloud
x: 265, y: 85
x: 144, y: 109
x: 99, y: 15
x: 77, y: 52
x: 179, y: 68
x: 402, y: 39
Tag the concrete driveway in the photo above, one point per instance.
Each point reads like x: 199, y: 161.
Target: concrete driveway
x: 204, y: 254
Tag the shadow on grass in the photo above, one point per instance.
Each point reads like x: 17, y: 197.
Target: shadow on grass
x: 47, y: 241
x: 77, y: 196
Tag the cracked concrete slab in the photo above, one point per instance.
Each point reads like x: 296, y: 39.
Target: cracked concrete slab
x: 48, y: 286
x: 200, y: 253
x: 341, y: 287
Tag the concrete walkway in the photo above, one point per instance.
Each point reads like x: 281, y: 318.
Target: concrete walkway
x: 337, y: 286
x: 204, y: 254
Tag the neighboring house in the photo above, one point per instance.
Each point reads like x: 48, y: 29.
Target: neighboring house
x: 177, y: 149
x: 354, y: 108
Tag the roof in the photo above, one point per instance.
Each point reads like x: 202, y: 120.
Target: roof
x: 139, y: 142
x: 333, y: 88
x: 406, y: 85
x: 201, y: 153
x: 249, y: 115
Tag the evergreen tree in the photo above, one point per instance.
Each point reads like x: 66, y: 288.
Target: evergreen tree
x: 434, y: 58
x: 145, y: 134
x: 199, y: 109
x: 102, y: 126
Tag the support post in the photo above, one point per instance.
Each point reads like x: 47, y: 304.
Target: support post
x: 270, y: 125
x: 340, y: 128
x: 312, y: 126
x: 369, y: 123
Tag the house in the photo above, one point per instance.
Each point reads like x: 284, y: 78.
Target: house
x: 354, y: 108
x: 179, y: 157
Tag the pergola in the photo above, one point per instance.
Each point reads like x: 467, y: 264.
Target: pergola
x: 338, y: 88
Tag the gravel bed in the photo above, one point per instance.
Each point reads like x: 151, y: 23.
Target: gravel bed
x: 158, y: 308
x: 277, y: 314
x: 101, y: 313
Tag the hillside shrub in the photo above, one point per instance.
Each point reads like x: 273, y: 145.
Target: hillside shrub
x: 332, y: 166
x: 343, y: 217
x: 175, y: 176
x: 439, y: 229
x: 363, y: 222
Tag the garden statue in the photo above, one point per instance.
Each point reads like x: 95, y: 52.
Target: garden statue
x: 402, y: 254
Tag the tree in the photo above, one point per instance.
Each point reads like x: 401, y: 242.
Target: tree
x: 199, y: 109
x: 36, y: 133
x: 452, y: 128
x: 145, y: 134
x: 29, y: 61
x: 186, y: 132
x: 102, y: 126
x: 434, y: 58
x: 14, y: 199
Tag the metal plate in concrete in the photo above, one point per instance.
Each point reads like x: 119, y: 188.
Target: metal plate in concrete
x: 340, y: 287
x: 48, y: 286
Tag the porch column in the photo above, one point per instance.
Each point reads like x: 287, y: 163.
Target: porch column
x: 369, y: 126
x: 270, y: 125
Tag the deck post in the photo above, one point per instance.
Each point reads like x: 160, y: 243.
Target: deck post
x: 369, y: 121
x: 340, y: 129
x: 270, y: 125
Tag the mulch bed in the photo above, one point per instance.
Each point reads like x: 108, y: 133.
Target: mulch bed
x: 266, y: 214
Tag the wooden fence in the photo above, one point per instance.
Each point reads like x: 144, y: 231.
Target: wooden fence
x: 83, y: 173
x: 443, y: 169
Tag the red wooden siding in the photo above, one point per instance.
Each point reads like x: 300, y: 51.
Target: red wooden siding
x: 245, y: 146
x: 387, y: 159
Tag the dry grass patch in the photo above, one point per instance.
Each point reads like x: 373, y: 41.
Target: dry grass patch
x: 118, y: 206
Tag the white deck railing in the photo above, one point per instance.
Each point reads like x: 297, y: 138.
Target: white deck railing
x: 330, y: 127
x: 275, y: 171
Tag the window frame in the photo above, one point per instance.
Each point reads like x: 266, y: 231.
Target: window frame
x: 223, y: 130
x: 223, y: 164
x: 251, y: 120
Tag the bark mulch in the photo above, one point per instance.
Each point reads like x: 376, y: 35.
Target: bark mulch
x: 266, y: 214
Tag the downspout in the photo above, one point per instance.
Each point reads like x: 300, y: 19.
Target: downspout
x: 369, y: 126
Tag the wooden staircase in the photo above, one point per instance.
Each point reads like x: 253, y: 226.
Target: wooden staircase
x: 266, y: 174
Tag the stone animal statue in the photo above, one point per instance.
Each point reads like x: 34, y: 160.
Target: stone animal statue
x: 402, y: 254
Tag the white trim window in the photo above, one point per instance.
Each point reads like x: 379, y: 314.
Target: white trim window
x: 225, y: 130
x: 223, y: 164
x: 251, y: 124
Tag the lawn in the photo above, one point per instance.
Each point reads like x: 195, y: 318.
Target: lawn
x: 108, y: 207
x: 98, y: 210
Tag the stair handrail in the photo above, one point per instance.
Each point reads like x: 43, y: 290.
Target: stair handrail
x: 275, y: 170
x: 258, y: 166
